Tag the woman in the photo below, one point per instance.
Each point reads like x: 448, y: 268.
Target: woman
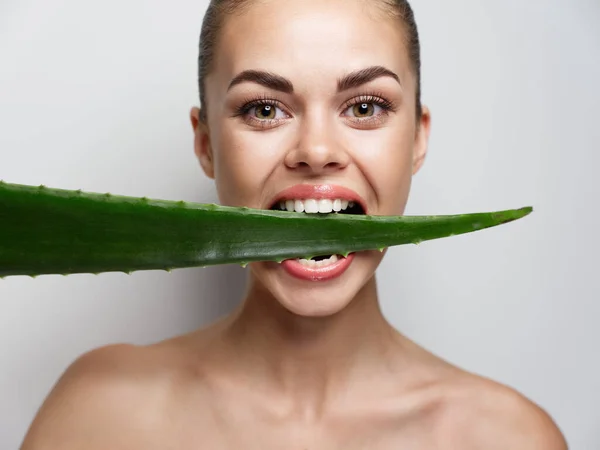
x: 312, y: 106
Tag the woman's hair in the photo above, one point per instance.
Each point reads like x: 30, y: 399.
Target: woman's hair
x: 218, y: 10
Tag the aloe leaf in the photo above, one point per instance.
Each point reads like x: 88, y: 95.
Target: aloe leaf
x: 58, y: 231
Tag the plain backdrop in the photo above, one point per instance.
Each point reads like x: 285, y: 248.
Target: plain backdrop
x: 96, y: 95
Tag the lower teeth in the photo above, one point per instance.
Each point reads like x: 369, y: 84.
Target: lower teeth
x: 324, y: 262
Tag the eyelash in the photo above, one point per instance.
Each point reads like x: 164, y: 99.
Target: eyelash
x: 376, y: 98
x: 250, y: 103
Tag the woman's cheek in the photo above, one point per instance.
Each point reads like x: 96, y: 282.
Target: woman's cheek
x: 240, y: 165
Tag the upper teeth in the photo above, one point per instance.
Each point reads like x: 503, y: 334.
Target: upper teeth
x: 313, y: 206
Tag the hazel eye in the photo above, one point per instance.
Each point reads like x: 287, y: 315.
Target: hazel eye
x: 266, y: 112
x: 364, y: 109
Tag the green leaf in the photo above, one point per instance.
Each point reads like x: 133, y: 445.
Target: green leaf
x: 57, y: 231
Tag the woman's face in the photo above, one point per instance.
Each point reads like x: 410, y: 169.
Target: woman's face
x: 312, y: 103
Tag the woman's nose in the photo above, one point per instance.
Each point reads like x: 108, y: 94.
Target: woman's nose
x: 318, y: 149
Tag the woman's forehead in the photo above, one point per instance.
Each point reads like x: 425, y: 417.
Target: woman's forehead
x: 309, y: 38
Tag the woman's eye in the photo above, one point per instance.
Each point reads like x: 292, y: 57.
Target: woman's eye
x: 266, y: 112
x: 364, y: 109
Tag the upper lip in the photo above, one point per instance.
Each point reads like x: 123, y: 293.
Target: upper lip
x: 318, y: 192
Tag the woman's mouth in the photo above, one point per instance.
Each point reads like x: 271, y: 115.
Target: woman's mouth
x: 321, y: 268
x: 319, y: 199
x: 320, y: 206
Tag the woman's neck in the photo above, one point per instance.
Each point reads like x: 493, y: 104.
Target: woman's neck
x: 311, y: 359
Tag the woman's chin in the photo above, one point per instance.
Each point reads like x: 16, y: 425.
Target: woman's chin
x: 318, y: 303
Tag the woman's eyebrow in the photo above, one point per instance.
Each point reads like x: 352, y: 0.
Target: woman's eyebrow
x: 279, y: 83
x: 363, y: 76
x: 266, y: 79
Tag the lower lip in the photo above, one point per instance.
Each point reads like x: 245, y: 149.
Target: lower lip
x: 297, y: 270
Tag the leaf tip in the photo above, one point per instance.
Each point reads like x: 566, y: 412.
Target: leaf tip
x: 526, y: 211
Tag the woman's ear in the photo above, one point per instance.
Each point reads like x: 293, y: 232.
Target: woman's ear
x: 422, y: 139
x: 202, y: 146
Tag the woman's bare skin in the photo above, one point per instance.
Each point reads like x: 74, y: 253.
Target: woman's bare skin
x: 367, y: 388
x: 301, y: 364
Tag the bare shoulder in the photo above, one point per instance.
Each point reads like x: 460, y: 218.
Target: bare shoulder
x: 481, y: 413
x: 103, y: 396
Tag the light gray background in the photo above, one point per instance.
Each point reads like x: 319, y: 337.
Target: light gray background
x: 95, y: 95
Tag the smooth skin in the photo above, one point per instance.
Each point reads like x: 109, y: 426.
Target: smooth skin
x: 300, y: 364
